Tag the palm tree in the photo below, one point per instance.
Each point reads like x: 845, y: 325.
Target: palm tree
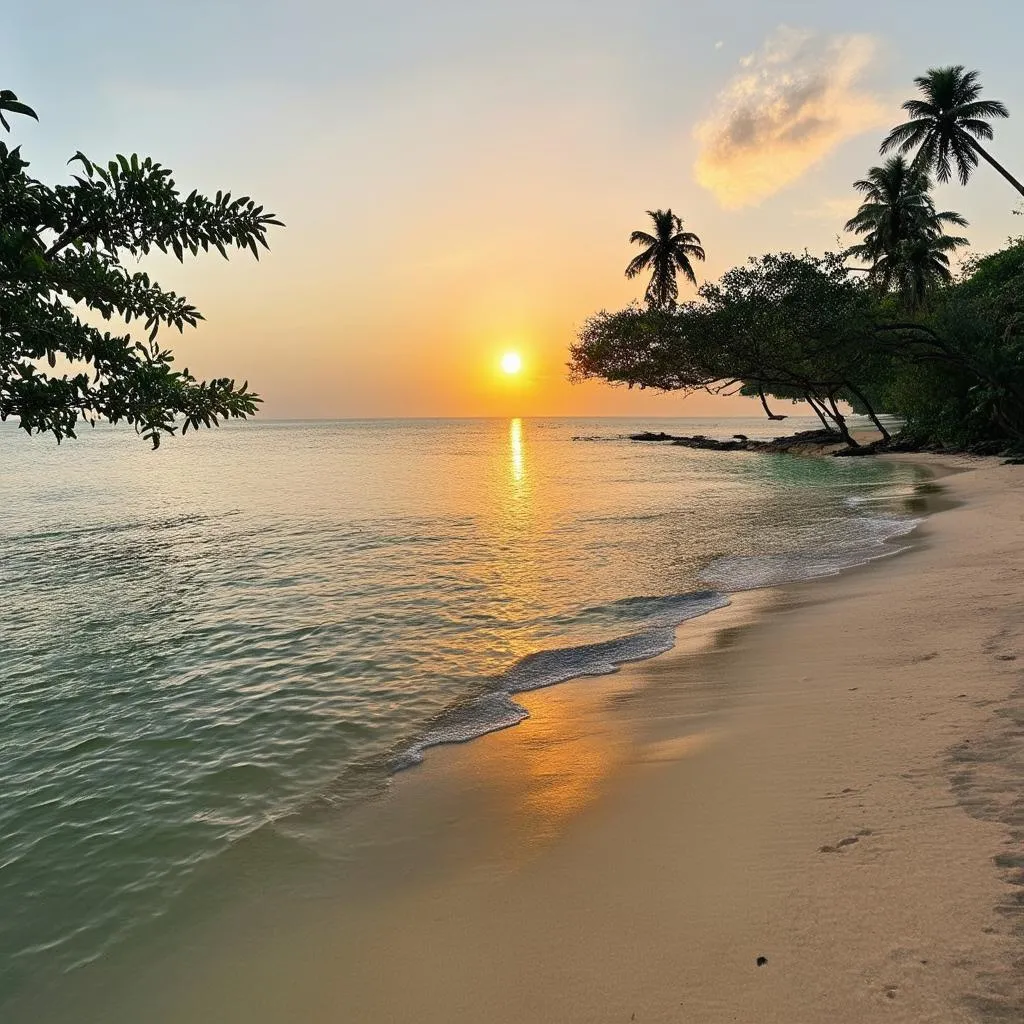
x: 896, y: 204
x: 904, y: 236
x: 667, y: 251
x: 947, y: 124
x: 916, y: 267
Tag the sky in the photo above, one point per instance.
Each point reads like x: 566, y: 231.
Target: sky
x: 459, y: 178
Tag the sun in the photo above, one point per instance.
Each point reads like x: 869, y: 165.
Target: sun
x: 511, y: 362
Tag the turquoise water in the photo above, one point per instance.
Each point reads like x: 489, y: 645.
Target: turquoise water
x: 203, y: 640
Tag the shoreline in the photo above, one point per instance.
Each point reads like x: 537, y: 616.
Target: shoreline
x: 816, y: 777
x: 514, y: 712
x: 838, y: 819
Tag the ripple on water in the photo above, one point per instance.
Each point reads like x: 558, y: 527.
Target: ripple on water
x: 198, y: 643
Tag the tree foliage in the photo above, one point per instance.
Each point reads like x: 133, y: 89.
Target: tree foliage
x: 801, y: 327
x: 62, y: 255
x: 946, y: 124
x: 782, y: 324
x: 669, y: 250
x: 904, y: 236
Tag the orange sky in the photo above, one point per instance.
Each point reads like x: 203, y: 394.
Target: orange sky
x: 461, y: 179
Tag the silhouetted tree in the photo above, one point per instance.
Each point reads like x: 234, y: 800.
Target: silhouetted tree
x: 904, y: 236
x: 669, y: 250
x: 946, y: 125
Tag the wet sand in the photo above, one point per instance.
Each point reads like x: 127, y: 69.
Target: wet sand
x: 810, y: 811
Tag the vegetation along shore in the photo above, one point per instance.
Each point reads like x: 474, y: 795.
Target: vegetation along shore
x: 882, y: 327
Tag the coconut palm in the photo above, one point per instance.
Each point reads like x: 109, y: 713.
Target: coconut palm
x: 666, y: 252
x: 897, y: 208
x: 916, y: 267
x: 896, y: 205
x: 904, y: 237
x: 945, y: 126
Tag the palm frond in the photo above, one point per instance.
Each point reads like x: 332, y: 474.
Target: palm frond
x: 640, y: 263
x: 952, y: 217
x: 906, y: 136
x: 946, y: 243
x: 919, y: 110
x: 965, y: 156
x: 685, y: 266
x: 982, y: 108
x: 861, y: 252
x: 979, y: 129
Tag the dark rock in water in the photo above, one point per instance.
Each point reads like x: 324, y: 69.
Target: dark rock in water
x: 740, y: 442
x: 802, y: 440
x: 710, y: 444
x: 781, y: 444
x: 649, y: 435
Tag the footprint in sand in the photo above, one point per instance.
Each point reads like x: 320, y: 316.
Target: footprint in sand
x: 848, y: 841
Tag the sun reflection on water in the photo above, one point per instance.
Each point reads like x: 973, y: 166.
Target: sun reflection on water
x: 515, y: 442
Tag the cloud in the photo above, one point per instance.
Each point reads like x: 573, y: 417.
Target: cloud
x: 791, y: 104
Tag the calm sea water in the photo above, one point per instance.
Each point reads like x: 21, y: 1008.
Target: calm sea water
x: 208, y: 638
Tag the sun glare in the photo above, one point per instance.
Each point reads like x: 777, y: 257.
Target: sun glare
x: 511, y: 362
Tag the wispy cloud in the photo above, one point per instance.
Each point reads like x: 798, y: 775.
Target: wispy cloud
x: 792, y: 103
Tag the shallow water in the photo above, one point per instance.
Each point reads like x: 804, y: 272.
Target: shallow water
x: 218, y: 635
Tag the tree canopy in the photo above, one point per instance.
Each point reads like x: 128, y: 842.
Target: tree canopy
x: 904, y: 236
x: 669, y: 250
x: 62, y: 255
x: 801, y: 327
x: 946, y: 124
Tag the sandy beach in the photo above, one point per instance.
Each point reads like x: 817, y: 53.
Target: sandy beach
x: 842, y: 800
x: 809, y: 811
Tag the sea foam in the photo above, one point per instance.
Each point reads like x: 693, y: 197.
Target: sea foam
x: 496, y: 709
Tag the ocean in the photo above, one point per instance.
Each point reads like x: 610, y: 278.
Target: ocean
x: 204, y: 641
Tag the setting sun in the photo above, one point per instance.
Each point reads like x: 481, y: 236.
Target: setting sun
x: 511, y: 362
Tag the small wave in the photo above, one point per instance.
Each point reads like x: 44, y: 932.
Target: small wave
x: 671, y: 609
x: 871, y: 539
x: 488, y: 713
x: 497, y: 710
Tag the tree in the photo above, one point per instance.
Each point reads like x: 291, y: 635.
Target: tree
x: 61, y: 255
x: 785, y: 325
x: 917, y: 267
x: 669, y: 250
x: 946, y: 125
x: 904, y: 236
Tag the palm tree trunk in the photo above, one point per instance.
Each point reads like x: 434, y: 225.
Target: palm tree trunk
x: 999, y: 167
